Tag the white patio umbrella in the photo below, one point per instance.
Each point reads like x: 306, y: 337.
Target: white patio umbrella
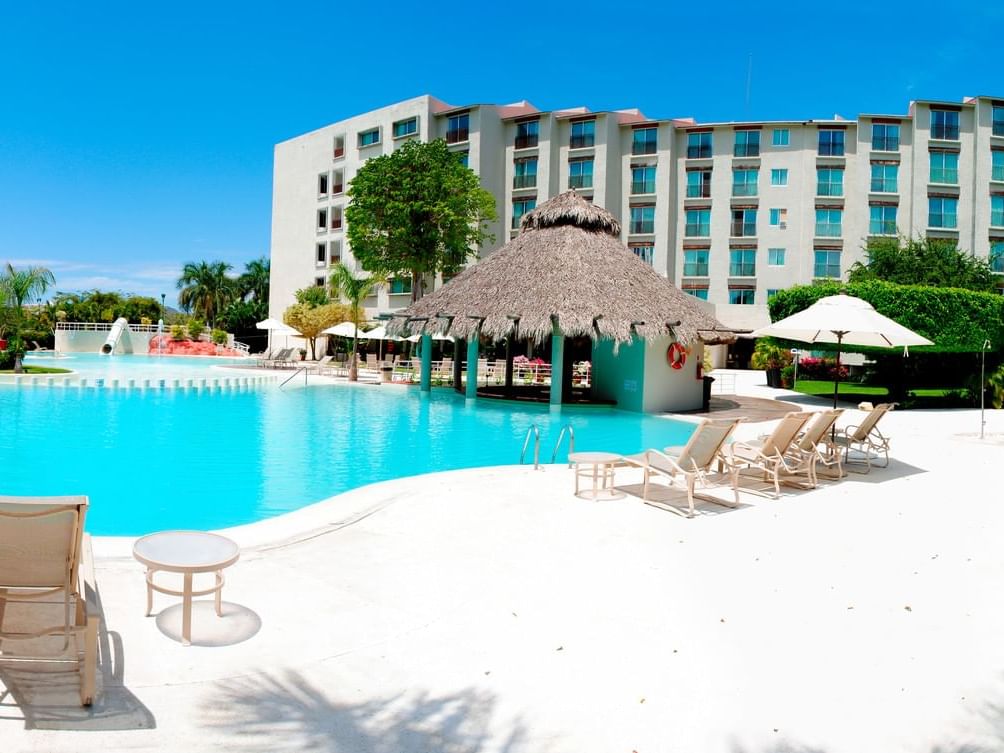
x: 345, y: 329
x: 843, y: 320
x: 274, y: 325
x: 380, y: 333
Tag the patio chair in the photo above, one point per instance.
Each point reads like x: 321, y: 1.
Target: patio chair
x: 693, y: 461
x: 772, y: 454
x: 322, y: 365
x: 813, y: 446
x: 279, y: 360
x: 48, y: 597
x: 865, y: 438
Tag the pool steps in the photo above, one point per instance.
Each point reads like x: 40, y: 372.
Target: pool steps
x: 199, y: 384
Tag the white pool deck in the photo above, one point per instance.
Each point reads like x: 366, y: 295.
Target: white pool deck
x: 491, y: 610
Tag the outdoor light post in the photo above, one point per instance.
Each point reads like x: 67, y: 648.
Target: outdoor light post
x: 162, y: 297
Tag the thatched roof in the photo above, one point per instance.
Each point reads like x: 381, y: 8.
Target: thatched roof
x: 568, y: 262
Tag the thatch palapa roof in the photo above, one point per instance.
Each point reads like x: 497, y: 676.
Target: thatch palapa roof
x: 567, y: 265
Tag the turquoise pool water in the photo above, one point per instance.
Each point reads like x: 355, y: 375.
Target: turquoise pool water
x: 158, y: 459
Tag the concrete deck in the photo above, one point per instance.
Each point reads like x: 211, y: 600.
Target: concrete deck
x: 491, y: 610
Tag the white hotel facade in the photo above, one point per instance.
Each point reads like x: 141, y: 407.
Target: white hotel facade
x: 730, y: 212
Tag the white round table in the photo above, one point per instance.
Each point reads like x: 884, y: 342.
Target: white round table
x: 599, y: 468
x: 188, y: 553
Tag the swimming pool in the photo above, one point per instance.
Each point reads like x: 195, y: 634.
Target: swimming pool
x: 158, y: 459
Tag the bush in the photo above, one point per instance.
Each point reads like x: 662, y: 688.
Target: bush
x: 178, y: 333
x: 6, y: 360
x: 195, y: 328
x: 219, y: 336
x: 820, y: 368
x: 767, y: 354
x: 788, y: 376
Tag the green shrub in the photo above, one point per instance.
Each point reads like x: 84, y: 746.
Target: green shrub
x: 767, y: 354
x: 195, y: 328
x: 219, y: 337
x: 178, y: 333
x: 6, y: 360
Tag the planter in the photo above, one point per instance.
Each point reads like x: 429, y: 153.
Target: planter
x: 386, y: 373
x: 774, y: 377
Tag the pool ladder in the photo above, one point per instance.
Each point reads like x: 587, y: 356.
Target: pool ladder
x: 294, y: 375
x: 571, y: 442
x: 534, y: 433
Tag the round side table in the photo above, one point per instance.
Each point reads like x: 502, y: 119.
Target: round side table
x: 599, y: 468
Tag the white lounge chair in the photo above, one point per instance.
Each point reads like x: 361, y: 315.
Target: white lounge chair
x: 865, y: 438
x: 814, y: 446
x: 773, y: 454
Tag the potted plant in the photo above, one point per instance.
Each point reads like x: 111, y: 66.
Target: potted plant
x: 303, y: 354
x: 770, y: 357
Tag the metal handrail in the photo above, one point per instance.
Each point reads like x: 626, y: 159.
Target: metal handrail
x: 571, y: 443
x: 293, y: 375
x: 534, y: 432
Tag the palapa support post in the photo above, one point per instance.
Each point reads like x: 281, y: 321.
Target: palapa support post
x: 426, y: 383
x: 557, y: 362
x: 508, y: 391
x: 472, y: 360
x: 459, y: 345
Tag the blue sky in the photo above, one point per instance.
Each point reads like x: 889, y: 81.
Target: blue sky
x: 137, y: 136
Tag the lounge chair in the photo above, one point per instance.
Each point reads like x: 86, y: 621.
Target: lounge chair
x: 773, y: 454
x: 693, y: 461
x: 814, y: 446
x: 865, y: 437
x: 281, y: 358
x: 321, y: 365
x: 48, y: 598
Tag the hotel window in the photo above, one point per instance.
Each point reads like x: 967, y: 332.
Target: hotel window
x: 831, y: 142
x: 643, y: 179
x: 699, y: 183
x: 335, y: 251
x: 747, y: 144
x: 695, y: 262
x: 322, y: 253
x: 743, y: 222
x: 464, y: 157
x: 826, y: 264
x: 338, y: 182
x: 698, y: 223
x: 319, y: 282
x: 699, y: 145
x: 399, y: 285
x: 322, y: 184
x: 338, y: 150
x: 744, y: 182
x: 884, y: 177
x: 777, y: 217
x: 644, y: 251
x: 997, y: 257
x: 519, y: 208
x: 700, y: 293
x: 644, y: 141
x: 336, y: 218
x: 527, y: 134
x: 771, y: 292
x: 945, y: 167
x: 775, y: 257
x: 829, y: 181
x: 997, y: 123
x: 828, y: 223
x: 885, y: 137
x: 580, y: 173
x: 743, y: 296
x: 742, y: 262
x: 525, y: 173
x: 404, y: 128
x: 642, y: 219
x: 882, y: 219
x: 583, y: 134
x: 779, y: 177
x: 322, y: 220
x: 369, y: 138
x: 942, y: 212
x: 458, y: 128
x: 997, y: 211
x: 781, y: 137
x: 997, y: 165
x: 945, y: 124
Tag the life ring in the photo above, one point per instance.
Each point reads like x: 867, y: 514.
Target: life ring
x: 676, y: 355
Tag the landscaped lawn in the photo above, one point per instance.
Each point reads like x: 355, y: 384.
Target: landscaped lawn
x: 38, y: 370
x: 847, y: 389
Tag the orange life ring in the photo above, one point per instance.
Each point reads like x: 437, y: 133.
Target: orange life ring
x: 676, y: 356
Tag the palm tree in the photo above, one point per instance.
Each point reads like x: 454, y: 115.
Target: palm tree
x: 354, y: 289
x: 255, y: 280
x: 206, y: 289
x: 16, y: 287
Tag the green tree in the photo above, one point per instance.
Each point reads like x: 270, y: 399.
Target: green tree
x: 313, y: 295
x: 354, y: 290
x: 254, y: 281
x: 923, y: 261
x: 16, y: 287
x: 417, y: 211
x: 206, y: 288
x: 309, y: 321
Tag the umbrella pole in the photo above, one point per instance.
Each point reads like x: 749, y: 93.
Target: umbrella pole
x: 836, y: 374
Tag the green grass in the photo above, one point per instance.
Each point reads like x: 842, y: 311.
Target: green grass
x: 38, y: 370
x: 847, y: 389
x: 933, y: 392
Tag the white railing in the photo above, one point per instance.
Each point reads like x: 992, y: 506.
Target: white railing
x: 102, y: 327
x: 242, y: 348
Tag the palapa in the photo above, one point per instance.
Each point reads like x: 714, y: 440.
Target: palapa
x: 567, y: 266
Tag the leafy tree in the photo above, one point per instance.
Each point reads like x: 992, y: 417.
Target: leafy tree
x: 354, y: 290
x: 206, y: 289
x: 313, y: 295
x: 923, y: 261
x: 104, y: 306
x: 417, y: 211
x: 254, y: 282
x: 16, y: 287
x: 310, y: 320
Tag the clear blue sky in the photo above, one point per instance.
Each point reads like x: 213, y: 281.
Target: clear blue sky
x: 137, y: 136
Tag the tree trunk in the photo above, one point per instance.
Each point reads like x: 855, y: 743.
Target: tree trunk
x: 416, y: 286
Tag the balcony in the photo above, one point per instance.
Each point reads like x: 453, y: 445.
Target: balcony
x: 697, y: 229
x: 644, y: 253
x: 526, y: 142
x: 699, y: 191
x: 828, y: 230
x: 746, y: 150
x: 744, y: 189
x: 997, y: 172
x: 339, y: 152
x: 831, y: 150
x: 743, y: 229
x: 643, y: 147
x: 945, y: 132
x: 337, y: 188
x: 882, y: 227
x: 695, y: 269
x: 524, y: 181
x: 642, y: 227
x: 699, y: 152
x: 886, y: 144
x: 997, y: 218
x: 881, y: 185
x: 946, y: 176
x: 642, y: 186
x: 516, y: 219
x: 742, y: 269
x: 997, y: 127
x: 336, y: 223
x: 582, y: 142
x: 458, y: 135
x: 580, y: 181
x: 829, y: 189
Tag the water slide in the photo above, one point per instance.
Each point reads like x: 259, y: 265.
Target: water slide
x: 120, y: 330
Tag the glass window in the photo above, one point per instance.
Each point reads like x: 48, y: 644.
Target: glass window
x: 780, y: 137
x: 699, y: 183
x: 336, y: 218
x: 830, y: 181
x: 319, y: 282
x: 996, y: 165
x: 701, y: 293
x: 398, y: 285
x: 642, y: 219
x: 828, y: 223
x: 464, y: 157
x: 583, y: 134
x: 644, y: 251
x: 322, y: 219
x: 771, y: 292
x: 519, y: 208
x: 643, y: 179
x: 741, y: 296
x: 885, y: 137
x: 527, y: 134
x: 827, y: 264
x: 644, y: 140
x: 370, y: 137
x: 884, y: 178
x: 775, y: 257
x: 338, y: 182
x: 778, y: 217
x: 779, y: 177
x: 580, y: 173
x: 945, y: 124
x: 942, y: 212
x: 458, y: 128
x: 322, y: 184
x: 997, y: 211
x: 698, y: 223
x: 747, y: 144
x: 997, y: 256
x: 744, y: 182
x: 997, y: 122
x: 322, y: 253
x: 743, y: 222
x: 335, y: 251
x: 525, y: 173
x: 695, y: 262
x: 699, y: 145
x: 404, y: 128
x: 742, y: 262
x: 882, y: 220
x: 945, y: 167
x: 831, y: 142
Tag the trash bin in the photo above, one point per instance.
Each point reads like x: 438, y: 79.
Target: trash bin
x: 707, y: 392
x: 386, y: 373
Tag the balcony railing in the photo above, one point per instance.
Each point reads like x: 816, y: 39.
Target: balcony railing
x: 831, y: 150
x: 336, y: 223
x: 526, y: 142
x: 945, y: 132
x: 882, y: 227
x: 516, y: 219
x: 458, y: 135
x: 581, y: 142
x: 642, y: 226
x: 643, y: 147
x: 699, y: 191
x: 699, y: 152
x: 882, y: 185
x: 697, y: 229
x: 828, y: 230
x: 829, y: 189
x: 886, y: 144
x: 642, y: 186
x: 945, y: 175
x: 742, y: 269
x: 644, y: 253
x: 339, y: 152
x: 695, y: 269
x: 997, y: 127
x: 337, y: 188
x: 997, y: 218
x: 997, y: 172
x: 945, y: 221
x: 580, y: 181
x: 743, y: 229
x: 746, y: 150
x: 524, y: 181
x: 744, y: 189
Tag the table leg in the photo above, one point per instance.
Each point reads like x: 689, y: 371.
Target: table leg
x: 577, y: 470
x: 149, y: 591
x: 596, y: 468
x: 219, y: 593
x: 186, y: 612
